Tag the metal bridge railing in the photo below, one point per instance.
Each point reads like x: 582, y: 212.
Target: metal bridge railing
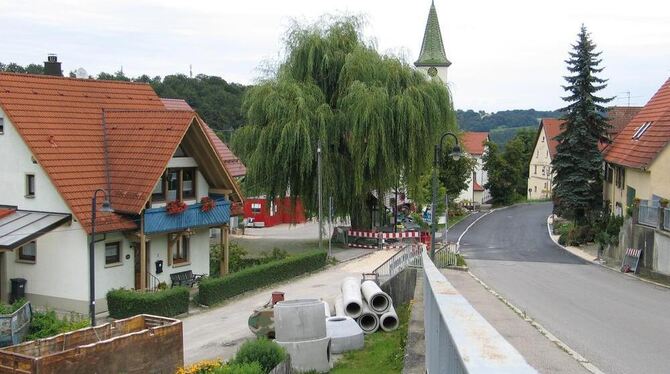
x: 408, y: 256
x: 446, y: 255
x: 458, y: 338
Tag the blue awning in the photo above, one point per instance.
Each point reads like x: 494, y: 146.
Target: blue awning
x: 157, y: 220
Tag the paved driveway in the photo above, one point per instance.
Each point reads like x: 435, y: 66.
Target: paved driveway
x: 218, y: 332
x: 620, y: 324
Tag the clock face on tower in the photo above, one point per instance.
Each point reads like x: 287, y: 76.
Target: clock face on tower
x: 432, y: 71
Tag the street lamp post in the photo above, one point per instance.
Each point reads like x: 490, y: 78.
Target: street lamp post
x: 455, y: 154
x: 106, y: 207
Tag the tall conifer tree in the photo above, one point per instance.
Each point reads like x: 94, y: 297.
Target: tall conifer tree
x: 578, y: 161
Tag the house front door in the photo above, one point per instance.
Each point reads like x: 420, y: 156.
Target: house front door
x: 136, y: 253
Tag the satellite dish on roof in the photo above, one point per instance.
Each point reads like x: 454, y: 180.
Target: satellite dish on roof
x: 81, y: 73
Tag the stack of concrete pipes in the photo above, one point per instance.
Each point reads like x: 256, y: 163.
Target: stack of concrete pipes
x: 365, y: 302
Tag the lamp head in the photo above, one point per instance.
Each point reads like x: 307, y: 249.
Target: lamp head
x: 106, y: 206
x: 456, y: 153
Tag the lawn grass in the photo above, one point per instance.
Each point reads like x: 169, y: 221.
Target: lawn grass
x: 384, y: 352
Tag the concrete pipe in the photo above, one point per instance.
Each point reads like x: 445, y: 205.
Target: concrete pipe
x: 389, y: 320
x: 368, y: 321
x: 345, y: 334
x: 339, y: 307
x: 351, y: 297
x: 298, y: 320
x: 326, y: 308
x: 377, y: 299
x: 309, y: 355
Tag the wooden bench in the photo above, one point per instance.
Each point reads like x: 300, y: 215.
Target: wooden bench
x: 185, y: 278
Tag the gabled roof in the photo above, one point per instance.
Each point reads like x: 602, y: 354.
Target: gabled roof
x: 474, y: 142
x: 432, y: 47
x: 60, y: 119
x: 552, y: 128
x: 619, y: 116
x: 233, y: 164
x: 477, y: 187
x: 640, y: 151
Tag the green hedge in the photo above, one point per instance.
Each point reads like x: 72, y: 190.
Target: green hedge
x: 215, y: 290
x: 124, y: 303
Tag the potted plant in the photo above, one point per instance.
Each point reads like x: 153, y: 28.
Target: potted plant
x: 175, y: 207
x: 207, y: 204
x: 664, y: 202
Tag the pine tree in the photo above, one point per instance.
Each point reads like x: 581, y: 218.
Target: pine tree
x: 578, y: 161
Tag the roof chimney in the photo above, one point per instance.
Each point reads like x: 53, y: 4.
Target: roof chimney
x: 52, y: 66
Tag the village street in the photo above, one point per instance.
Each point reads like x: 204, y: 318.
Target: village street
x: 218, y: 333
x: 617, y: 322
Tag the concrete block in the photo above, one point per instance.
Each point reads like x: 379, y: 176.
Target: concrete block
x: 298, y: 320
x: 309, y: 354
x: 345, y: 334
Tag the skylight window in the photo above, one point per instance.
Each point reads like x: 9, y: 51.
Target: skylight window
x: 640, y: 130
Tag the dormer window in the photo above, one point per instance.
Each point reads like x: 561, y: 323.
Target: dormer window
x: 641, y: 130
x: 175, y: 184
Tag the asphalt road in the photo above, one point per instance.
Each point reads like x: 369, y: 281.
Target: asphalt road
x: 620, y: 324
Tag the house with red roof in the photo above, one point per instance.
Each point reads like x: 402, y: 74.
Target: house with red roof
x: 164, y: 176
x: 474, y: 144
x: 638, y: 160
x: 540, y: 175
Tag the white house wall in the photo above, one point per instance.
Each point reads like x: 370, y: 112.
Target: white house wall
x: 539, y: 182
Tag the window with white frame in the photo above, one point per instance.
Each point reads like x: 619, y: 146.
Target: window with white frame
x: 255, y: 208
x: 28, y: 252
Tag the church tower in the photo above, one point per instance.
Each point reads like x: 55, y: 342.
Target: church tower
x: 433, y: 59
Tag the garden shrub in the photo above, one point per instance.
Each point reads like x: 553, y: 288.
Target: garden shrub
x: 9, y: 309
x: 216, y: 289
x: 246, y: 368
x: 201, y: 367
x: 125, y: 303
x: 46, y: 324
x: 266, y: 352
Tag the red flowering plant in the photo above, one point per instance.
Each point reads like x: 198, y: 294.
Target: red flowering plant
x: 207, y: 204
x: 175, y: 207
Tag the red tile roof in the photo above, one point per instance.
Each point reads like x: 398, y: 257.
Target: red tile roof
x: 233, y: 164
x: 552, y: 128
x: 640, y: 153
x: 60, y: 119
x: 477, y: 187
x: 619, y: 116
x: 6, y: 212
x: 473, y: 142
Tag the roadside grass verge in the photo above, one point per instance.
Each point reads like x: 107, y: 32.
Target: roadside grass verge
x: 384, y: 352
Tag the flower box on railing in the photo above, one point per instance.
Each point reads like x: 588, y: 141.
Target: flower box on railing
x: 159, y: 220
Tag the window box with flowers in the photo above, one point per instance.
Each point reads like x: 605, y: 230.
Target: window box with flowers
x: 175, y: 207
x: 207, y: 204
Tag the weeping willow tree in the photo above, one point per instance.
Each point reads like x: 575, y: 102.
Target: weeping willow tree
x: 375, y: 117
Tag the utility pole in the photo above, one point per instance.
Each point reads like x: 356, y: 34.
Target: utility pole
x: 330, y: 226
x: 318, y: 166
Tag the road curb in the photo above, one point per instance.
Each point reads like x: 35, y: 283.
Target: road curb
x: 593, y: 262
x: 590, y: 367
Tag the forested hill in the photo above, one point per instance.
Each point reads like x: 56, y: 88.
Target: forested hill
x: 217, y: 101
x: 503, y: 125
x: 469, y: 120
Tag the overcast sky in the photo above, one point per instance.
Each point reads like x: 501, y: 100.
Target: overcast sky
x: 506, y: 54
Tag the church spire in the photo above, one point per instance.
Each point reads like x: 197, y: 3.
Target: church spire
x: 432, y: 47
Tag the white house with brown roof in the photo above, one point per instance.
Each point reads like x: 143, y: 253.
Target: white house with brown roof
x: 63, y: 139
x: 474, y: 145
